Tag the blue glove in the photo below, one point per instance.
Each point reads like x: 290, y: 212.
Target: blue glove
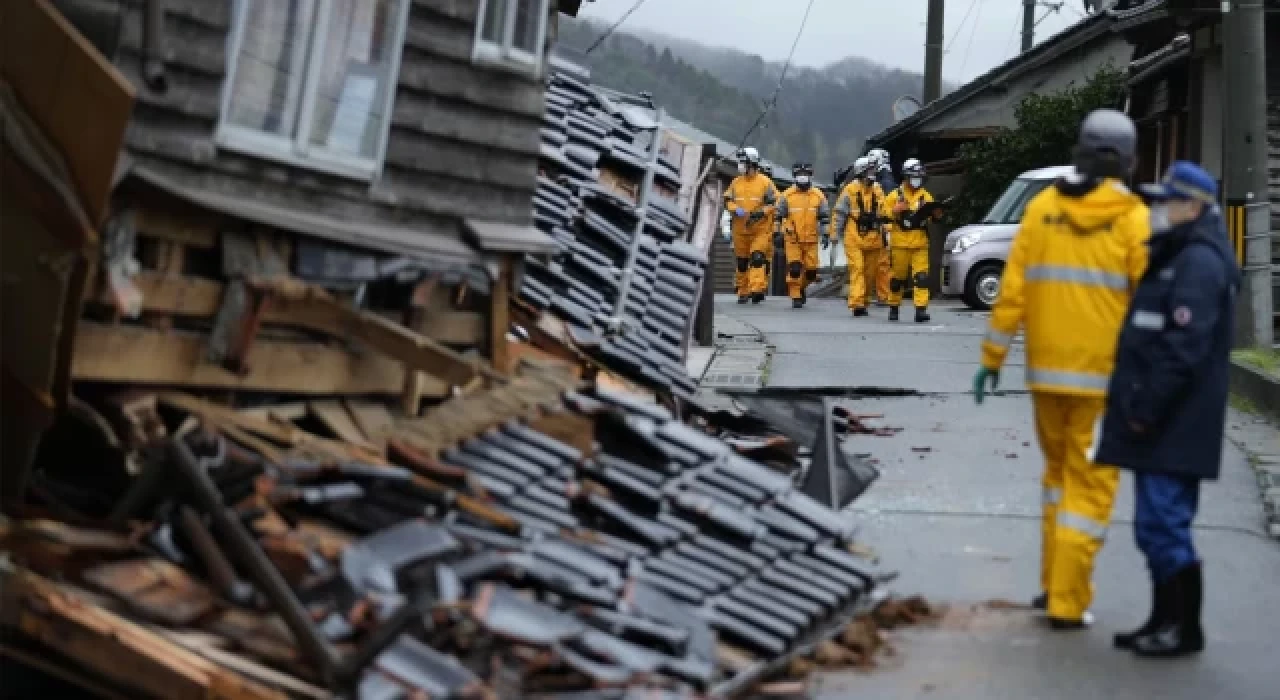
x: 739, y: 212
x: 980, y: 383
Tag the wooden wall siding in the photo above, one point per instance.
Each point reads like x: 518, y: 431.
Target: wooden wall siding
x: 463, y: 140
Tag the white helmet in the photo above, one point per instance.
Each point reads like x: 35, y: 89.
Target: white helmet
x: 879, y: 156
x: 861, y: 165
x: 749, y: 155
x: 912, y: 167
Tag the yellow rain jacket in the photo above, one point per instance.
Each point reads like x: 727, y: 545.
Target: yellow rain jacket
x: 858, y: 198
x: 803, y: 214
x: 1073, y: 266
x: 900, y: 238
x: 753, y: 193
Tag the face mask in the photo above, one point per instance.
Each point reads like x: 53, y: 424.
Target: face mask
x: 742, y: 168
x: 1160, y: 218
x: 869, y: 177
x: 916, y: 181
x: 803, y: 181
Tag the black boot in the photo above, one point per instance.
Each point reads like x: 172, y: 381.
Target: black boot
x: 757, y: 297
x: 1040, y: 602
x: 797, y: 303
x: 1160, y: 597
x: 860, y: 311
x: 1180, y: 633
x: 893, y: 313
x: 742, y: 299
x: 922, y: 314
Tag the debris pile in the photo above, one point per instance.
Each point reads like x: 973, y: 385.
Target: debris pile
x: 641, y: 551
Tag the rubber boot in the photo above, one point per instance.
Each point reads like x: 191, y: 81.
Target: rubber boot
x: 922, y: 314
x: 797, y: 303
x: 1040, y: 602
x: 1180, y: 634
x: 893, y: 313
x: 757, y: 297
x: 743, y: 299
x: 1160, y: 596
x: 860, y: 312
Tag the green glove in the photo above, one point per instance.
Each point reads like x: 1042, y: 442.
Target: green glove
x: 980, y: 383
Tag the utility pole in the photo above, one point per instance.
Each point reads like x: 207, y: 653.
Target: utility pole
x: 1028, y: 24
x: 933, y: 43
x: 1245, y: 148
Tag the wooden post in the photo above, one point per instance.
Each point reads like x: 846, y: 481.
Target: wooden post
x: 500, y: 317
x: 411, y: 399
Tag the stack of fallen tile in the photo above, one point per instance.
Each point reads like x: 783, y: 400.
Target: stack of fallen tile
x: 630, y: 550
x: 595, y: 158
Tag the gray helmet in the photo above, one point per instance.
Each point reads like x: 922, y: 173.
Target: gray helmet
x: 1107, y: 145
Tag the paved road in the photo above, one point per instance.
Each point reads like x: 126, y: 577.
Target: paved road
x: 960, y: 522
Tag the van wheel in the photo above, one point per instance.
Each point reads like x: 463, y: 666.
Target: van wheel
x: 982, y: 288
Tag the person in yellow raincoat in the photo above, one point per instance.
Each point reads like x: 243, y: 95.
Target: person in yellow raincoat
x: 909, y: 215
x: 859, y: 222
x: 803, y: 214
x: 751, y: 200
x: 878, y: 160
x: 1073, y: 266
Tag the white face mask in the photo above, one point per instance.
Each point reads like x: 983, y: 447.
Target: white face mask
x: 742, y: 168
x: 1160, y: 217
x: 803, y: 180
x: 916, y: 181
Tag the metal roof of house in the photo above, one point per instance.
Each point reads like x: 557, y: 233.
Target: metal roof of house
x: 1050, y: 49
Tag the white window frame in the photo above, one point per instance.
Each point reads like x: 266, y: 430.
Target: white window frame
x: 505, y: 54
x: 298, y: 150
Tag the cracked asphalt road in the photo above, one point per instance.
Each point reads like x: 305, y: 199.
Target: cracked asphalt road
x: 961, y: 524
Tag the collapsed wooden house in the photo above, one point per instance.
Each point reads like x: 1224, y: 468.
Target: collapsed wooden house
x: 254, y: 366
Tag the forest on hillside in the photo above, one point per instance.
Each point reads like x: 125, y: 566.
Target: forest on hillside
x: 823, y: 115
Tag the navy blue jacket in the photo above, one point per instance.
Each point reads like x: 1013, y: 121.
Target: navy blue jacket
x: 1172, y: 361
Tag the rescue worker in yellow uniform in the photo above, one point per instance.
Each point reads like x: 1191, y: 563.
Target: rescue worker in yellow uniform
x: 803, y: 214
x: 909, y: 214
x: 751, y: 200
x: 878, y: 160
x: 859, y: 222
x: 1073, y: 266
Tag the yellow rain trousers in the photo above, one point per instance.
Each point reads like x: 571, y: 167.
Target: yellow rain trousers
x: 752, y: 242
x: 1072, y: 269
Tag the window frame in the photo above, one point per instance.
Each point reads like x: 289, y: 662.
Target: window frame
x: 297, y: 149
x: 504, y: 53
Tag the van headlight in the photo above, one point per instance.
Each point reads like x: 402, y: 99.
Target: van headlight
x: 966, y: 242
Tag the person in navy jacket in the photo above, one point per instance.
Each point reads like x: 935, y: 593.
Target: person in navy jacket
x: 1167, y: 399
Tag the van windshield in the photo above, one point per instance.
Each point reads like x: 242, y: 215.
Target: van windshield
x: 1008, y: 209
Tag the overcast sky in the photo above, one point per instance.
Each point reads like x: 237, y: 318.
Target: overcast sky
x: 890, y: 32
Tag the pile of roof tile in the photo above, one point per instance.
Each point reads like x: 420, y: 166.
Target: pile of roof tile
x: 607, y: 196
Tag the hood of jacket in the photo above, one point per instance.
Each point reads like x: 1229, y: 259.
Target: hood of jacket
x: 1090, y: 204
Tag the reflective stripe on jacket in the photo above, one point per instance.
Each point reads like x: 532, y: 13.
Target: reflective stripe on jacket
x: 914, y: 198
x: 1072, y: 268
x: 753, y: 193
x: 856, y: 199
x: 804, y: 214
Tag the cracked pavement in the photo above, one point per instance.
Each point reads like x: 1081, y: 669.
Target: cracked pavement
x: 961, y: 523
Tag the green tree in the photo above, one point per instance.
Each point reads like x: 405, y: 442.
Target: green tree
x: 1045, y: 135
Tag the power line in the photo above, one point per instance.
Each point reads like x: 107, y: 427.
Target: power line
x: 967, y: 49
x: 960, y: 27
x: 773, y: 99
x: 609, y: 32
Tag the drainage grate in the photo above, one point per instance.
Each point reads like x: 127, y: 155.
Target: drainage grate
x: 740, y: 381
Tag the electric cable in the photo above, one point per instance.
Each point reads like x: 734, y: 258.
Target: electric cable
x: 773, y: 100
x: 609, y: 32
x: 969, y: 48
x: 960, y: 27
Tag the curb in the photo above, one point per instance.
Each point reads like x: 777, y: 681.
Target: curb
x: 1259, y: 441
x: 1258, y: 387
